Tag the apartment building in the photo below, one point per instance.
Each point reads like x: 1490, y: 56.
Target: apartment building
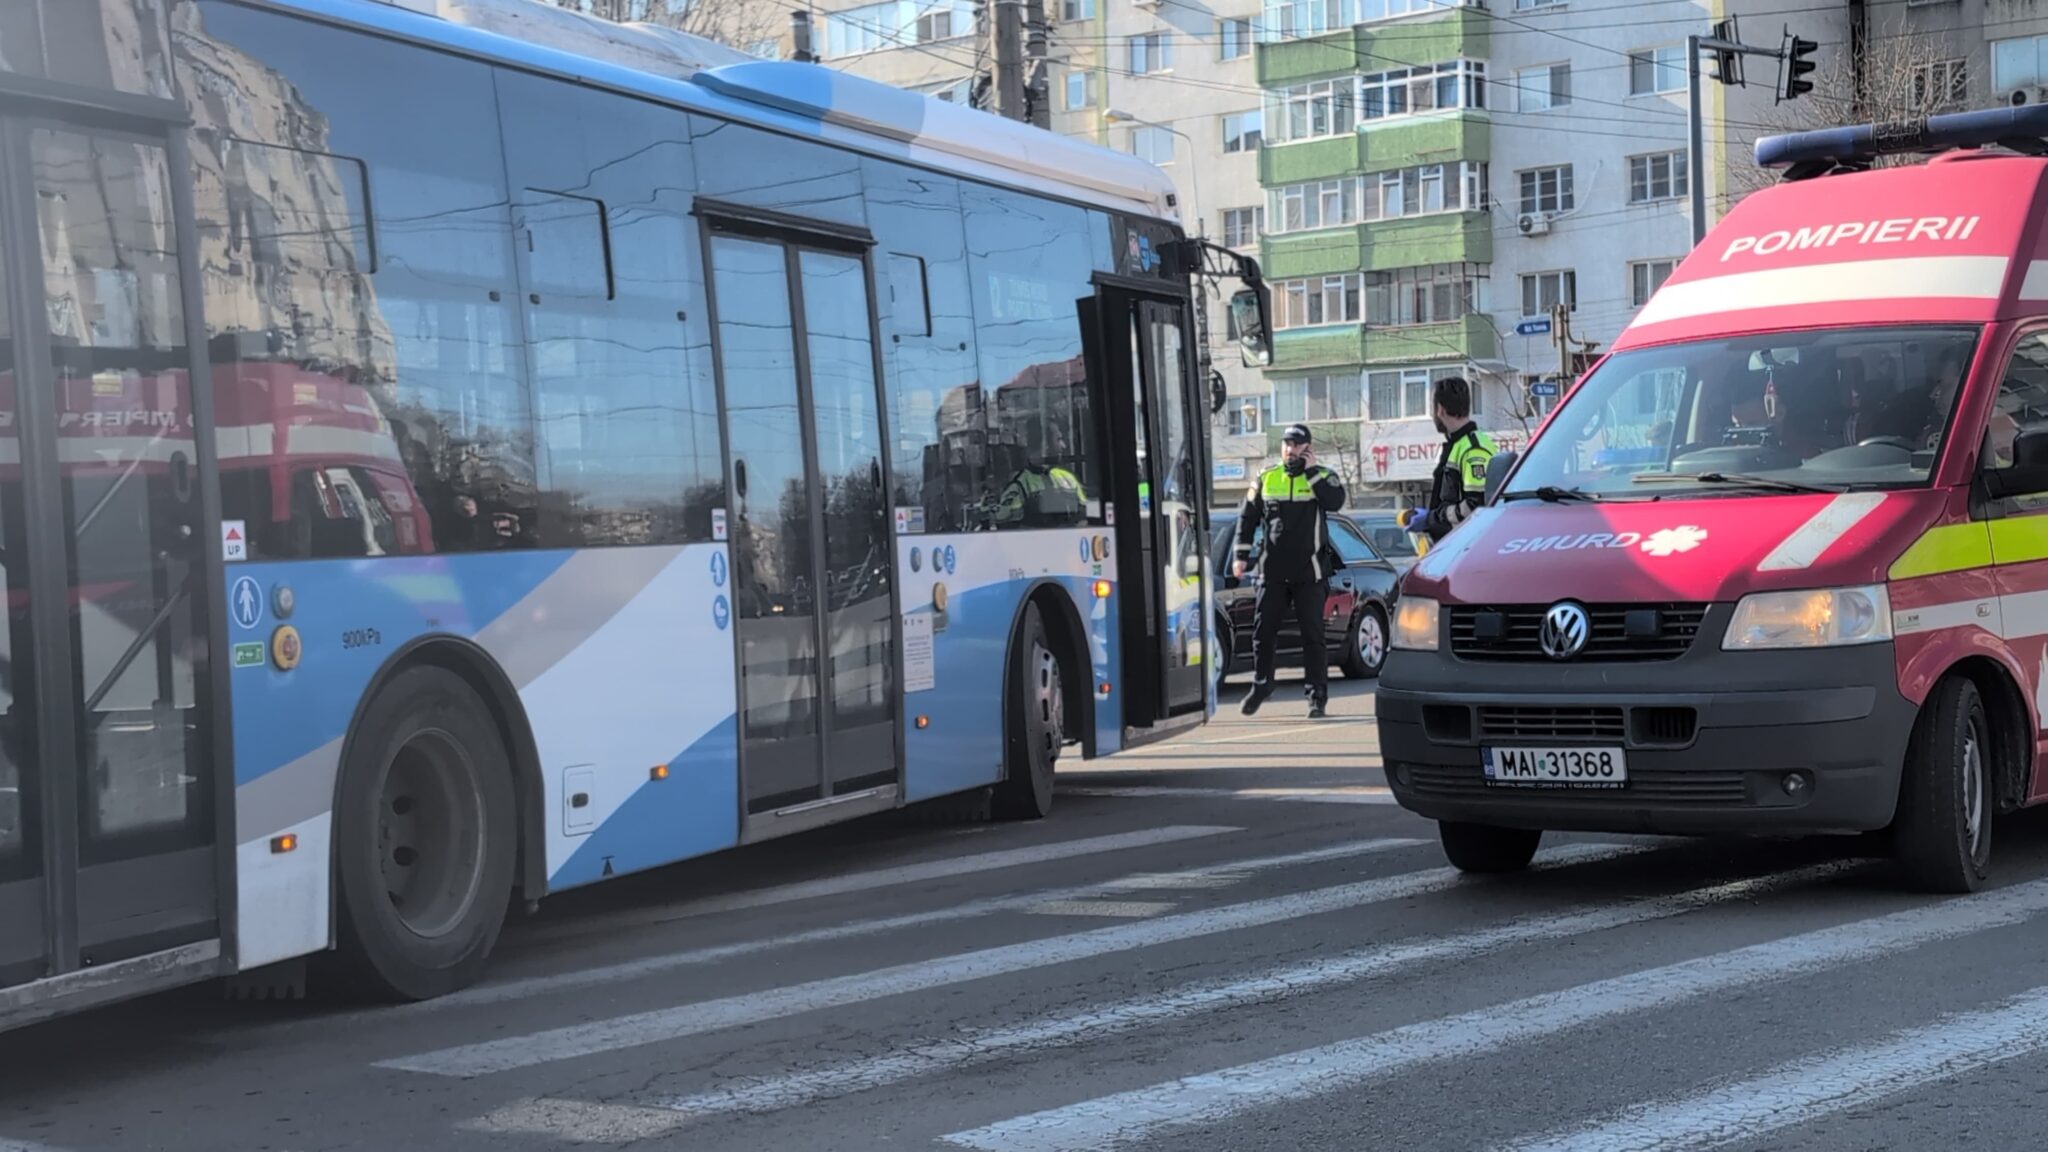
x: 1441, y: 176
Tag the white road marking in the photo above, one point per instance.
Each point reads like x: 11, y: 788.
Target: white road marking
x: 673, y: 961
x: 7, y: 1145
x: 665, y: 1024
x: 1213, y: 1097
x: 1347, y: 794
x: 841, y: 885
x: 1124, y: 909
x: 576, y: 1121
x: 930, y: 1057
x: 1803, y: 1091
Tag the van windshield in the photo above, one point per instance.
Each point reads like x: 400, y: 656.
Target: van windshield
x: 1828, y: 409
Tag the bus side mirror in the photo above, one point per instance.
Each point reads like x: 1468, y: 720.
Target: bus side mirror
x: 1497, y: 470
x: 1219, y: 392
x: 1249, y: 311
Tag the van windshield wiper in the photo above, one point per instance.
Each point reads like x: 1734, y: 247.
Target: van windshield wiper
x: 1737, y: 479
x: 1549, y: 494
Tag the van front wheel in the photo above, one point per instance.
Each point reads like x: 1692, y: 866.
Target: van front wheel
x: 1942, y: 833
x: 1485, y: 848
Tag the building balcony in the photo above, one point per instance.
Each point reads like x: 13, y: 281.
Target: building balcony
x: 1460, y: 33
x: 1405, y: 242
x: 1428, y: 138
x: 1358, y: 346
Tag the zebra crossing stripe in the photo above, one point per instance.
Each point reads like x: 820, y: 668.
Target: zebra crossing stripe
x: 931, y: 1057
x: 1213, y: 1097
x: 665, y: 1024
x: 1806, y: 1090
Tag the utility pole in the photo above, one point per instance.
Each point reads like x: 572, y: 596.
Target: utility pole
x: 1009, y: 39
x: 1037, y: 90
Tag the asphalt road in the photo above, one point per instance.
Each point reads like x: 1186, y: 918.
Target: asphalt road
x: 1233, y: 942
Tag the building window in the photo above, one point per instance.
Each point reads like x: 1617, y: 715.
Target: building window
x: 895, y: 24
x: 1544, y: 88
x: 1077, y: 9
x: 1430, y: 294
x: 1655, y: 70
x: 1241, y: 131
x: 957, y: 92
x: 1152, y: 144
x: 1311, y: 111
x: 1080, y: 89
x: 1658, y: 177
x: 1417, y: 191
x: 1406, y: 91
x: 766, y: 49
x: 1941, y: 86
x: 1533, y: 5
x: 1547, y: 189
x: 1542, y: 291
x: 1291, y: 19
x: 1247, y: 415
x: 1235, y: 38
x: 1645, y: 277
x: 1318, y: 398
x: 1404, y: 394
x: 1317, y: 301
x: 1242, y: 227
x: 1152, y: 52
x: 2017, y: 63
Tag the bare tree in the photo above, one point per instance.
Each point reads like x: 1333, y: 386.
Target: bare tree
x: 736, y: 23
x: 1900, y: 75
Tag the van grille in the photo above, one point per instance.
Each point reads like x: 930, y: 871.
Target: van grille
x: 1545, y: 722
x: 1620, y: 632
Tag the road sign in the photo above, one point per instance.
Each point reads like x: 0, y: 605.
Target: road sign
x: 1543, y: 388
x: 1532, y: 328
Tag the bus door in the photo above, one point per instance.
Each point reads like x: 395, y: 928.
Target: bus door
x: 111, y: 780
x: 814, y: 604
x: 1160, y: 500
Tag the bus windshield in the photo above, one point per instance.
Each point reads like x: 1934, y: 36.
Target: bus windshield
x: 1827, y: 410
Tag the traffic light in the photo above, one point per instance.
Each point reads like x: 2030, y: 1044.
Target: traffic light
x: 1727, y: 62
x: 1797, y: 66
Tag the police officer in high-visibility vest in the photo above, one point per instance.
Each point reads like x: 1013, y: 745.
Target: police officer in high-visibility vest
x: 1460, y: 479
x: 1293, y: 501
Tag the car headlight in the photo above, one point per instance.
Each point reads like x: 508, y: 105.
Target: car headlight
x: 1415, y: 623
x: 1816, y: 618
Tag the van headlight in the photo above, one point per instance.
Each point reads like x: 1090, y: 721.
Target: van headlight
x: 1415, y: 623
x: 1816, y: 618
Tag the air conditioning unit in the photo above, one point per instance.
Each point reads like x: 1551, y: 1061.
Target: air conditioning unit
x: 1533, y: 223
x: 2031, y: 94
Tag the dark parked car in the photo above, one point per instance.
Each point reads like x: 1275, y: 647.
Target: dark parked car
x: 1354, y: 618
x: 1388, y: 538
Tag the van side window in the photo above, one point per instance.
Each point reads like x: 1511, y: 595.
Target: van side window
x: 2022, y: 405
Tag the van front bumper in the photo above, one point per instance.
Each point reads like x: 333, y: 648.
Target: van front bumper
x: 1711, y: 739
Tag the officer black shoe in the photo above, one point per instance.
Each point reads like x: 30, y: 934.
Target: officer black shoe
x: 1254, y: 698
x: 1317, y: 708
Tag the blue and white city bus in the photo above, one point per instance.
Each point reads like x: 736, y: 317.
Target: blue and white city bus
x: 609, y: 450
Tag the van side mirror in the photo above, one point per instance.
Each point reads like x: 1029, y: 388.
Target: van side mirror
x: 1253, y: 316
x: 1219, y: 391
x: 1497, y: 470
x: 2028, y: 472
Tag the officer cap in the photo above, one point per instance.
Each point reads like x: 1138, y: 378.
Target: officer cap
x: 1295, y: 434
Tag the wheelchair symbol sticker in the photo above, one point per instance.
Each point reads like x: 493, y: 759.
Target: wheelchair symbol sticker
x: 721, y: 613
x: 949, y: 560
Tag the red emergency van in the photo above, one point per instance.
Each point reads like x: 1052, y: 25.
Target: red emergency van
x: 1778, y: 563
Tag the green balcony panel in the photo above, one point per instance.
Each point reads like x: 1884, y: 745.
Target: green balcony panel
x: 1312, y: 348
x: 1472, y: 338
x: 1293, y: 61
x: 1430, y: 139
x: 1449, y: 238
x: 1326, y: 159
x: 1459, y: 34
x: 1312, y: 254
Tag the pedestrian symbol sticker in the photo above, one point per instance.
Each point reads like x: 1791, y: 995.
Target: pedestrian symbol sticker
x: 721, y: 613
x: 718, y: 569
x: 246, y: 602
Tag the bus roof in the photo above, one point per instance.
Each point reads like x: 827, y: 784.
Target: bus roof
x: 1957, y: 240
x: 804, y: 100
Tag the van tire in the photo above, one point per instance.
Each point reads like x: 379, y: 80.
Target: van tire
x: 426, y: 816
x: 1034, y: 722
x: 1947, y: 794
x: 1487, y: 848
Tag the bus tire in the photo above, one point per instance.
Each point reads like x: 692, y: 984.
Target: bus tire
x: 425, y: 825
x: 1941, y: 836
x: 1034, y: 723
x: 1486, y: 849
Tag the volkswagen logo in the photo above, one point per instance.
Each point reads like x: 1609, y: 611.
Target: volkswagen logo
x: 1565, y: 629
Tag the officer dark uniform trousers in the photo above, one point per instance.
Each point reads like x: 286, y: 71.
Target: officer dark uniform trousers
x: 1293, y: 504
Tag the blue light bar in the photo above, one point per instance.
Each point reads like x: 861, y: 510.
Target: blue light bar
x: 2022, y: 129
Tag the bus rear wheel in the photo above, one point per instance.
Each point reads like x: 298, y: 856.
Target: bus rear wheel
x: 1035, y: 721
x: 424, y: 828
